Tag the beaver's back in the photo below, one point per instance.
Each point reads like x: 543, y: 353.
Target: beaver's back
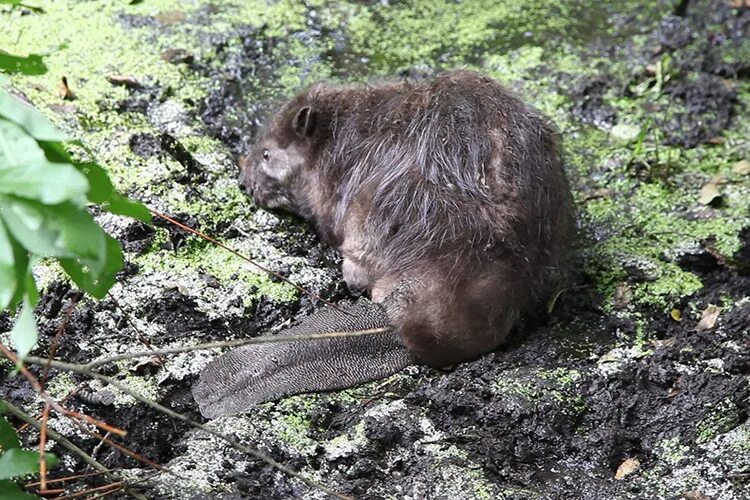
x: 455, y: 168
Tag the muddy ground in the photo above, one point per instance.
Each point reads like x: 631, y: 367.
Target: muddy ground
x: 652, y: 100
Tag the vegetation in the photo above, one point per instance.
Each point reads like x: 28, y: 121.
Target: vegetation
x: 45, y: 193
x: 16, y: 462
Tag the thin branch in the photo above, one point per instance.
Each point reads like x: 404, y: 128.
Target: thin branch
x: 42, y: 445
x: 116, y: 485
x: 98, y: 423
x: 115, y: 490
x: 73, y: 416
x: 63, y: 479
x: 243, y: 257
x: 131, y: 483
x: 58, y: 491
x: 234, y: 343
x: 50, y: 400
x: 58, y: 335
x: 83, y: 369
x: 65, y: 443
x: 127, y: 451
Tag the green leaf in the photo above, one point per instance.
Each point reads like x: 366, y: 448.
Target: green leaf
x: 122, y: 206
x: 29, y: 118
x: 14, y: 268
x: 29, y: 65
x: 8, y: 274
x: 17, y: 147
x: 62, y: 230
x: 11, y: 491
x: 49, y: 183
x: 98, y: 283
x: 24, y: 334
x: 8, y: 436
x: 29, y: 289
x: 21, y: 3
x: 103, y: 192
x: 101, y: 188
x: 18, y: 463
x: 55, y: 151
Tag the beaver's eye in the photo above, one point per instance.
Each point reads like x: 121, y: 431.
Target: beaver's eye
x: 266, y: 154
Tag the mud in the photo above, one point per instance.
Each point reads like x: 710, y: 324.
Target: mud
x: 610, y: 376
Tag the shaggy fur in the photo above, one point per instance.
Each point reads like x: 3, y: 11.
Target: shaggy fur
x: 446, y: 197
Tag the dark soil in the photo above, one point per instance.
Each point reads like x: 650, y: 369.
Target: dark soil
x: 553, y: 439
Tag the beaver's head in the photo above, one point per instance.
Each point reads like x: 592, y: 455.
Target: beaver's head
x: 275, y: 172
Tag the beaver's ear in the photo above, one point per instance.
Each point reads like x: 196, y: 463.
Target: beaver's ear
x: 304, y: 122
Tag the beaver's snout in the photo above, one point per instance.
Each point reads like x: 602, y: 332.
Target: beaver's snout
x: 246, y: 186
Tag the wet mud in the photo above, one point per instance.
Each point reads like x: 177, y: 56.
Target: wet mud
x: 553, y: 415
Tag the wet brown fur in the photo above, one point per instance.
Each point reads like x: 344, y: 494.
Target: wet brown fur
x: 446, y: 197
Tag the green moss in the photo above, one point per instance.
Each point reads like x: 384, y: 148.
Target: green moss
x: 723, y: 417
x: 738, y: 52
x: 741, y: 439
x: 346, y: 444
x: 60, y: 386
x: 415, y: 32
x: 301, y: 404
x: 672, y: 451
x: 565, y: 377
x: 294, y: 430
x: 290, y: 422
x: 459, y: 481
x: 145, y: 386
x: 644, y: 223
x: 105, y: 49
x: 543, y: 387
x: 202, y: 256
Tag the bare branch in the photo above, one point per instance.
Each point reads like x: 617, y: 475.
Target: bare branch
x: 65, y: 443
x: 233, y: 343
x: 37, y: 386
x: 85, y: 370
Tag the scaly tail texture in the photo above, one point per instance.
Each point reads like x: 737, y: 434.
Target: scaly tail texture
x: 254, y: 374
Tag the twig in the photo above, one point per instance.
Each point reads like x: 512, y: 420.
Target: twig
x: 83, y: 369
x: 98, y: 423
x: 131, y: 483
x: 116, y: 485
x: 127, y: 451
x: 73, y: 416
x: 58, y: 335
x: 98, y: 447
x: 62, y: 401
x: 42, y: 451
x: 51, y: 401
x: 65, y: 443
x: 66, y: 478
x: 58, y: 491
x: 234, y: 343
x: 114, y: 490
x: 243, y: 257
x: 53, y: 349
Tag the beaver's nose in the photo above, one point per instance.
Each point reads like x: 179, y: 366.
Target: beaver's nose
x: 246, y: 186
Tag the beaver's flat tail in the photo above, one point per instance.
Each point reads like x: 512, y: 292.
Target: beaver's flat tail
x: 255, y: 374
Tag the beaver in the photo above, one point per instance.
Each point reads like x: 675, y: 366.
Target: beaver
x: 448, y: 201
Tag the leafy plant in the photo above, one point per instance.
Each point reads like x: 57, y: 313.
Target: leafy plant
x: 661, y: 74
x: 16, y: 462
x: 21, y: 3
x: 44, y: 194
